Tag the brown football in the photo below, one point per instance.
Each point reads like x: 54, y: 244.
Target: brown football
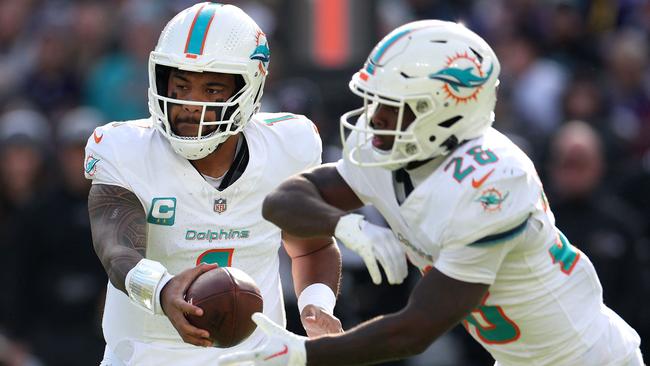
x: 228, y: 297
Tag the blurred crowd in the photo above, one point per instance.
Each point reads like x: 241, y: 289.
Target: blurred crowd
x: 574, y: 94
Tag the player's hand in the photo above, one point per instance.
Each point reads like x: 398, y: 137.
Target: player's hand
x: 317, y: 322
x: 283, y: 348
x: 172, y: 299
x: 374, y: 243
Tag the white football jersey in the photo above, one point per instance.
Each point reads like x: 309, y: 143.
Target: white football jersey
x: 189, y: 221
x: 479, y: 215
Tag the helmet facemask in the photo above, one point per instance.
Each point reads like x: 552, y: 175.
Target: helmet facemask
x: 230, y: 115
x: 405, y: 147
x: 208, y: 38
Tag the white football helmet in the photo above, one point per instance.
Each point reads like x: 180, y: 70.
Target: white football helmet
x: 444, y: 72
x: 209, y: 37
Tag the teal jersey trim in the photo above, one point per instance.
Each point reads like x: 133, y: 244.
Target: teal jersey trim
x: 500, y: 237
x: 272, y: 121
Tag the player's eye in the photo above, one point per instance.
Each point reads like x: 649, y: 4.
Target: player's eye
x: 389, y: 109
x: 213, y: 91
x: 182, y: 87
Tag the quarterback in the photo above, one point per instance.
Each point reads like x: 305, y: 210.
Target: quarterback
x: 465, y: 204
x: 181, y: 192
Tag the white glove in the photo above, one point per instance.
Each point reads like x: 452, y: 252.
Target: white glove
x: 283, y: 348
x: 373, y: 243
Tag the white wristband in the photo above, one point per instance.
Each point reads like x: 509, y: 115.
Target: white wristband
x: 317, y: 294
x: 144, y: 282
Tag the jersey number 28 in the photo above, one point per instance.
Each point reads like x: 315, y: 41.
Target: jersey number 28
x: 481, y: 157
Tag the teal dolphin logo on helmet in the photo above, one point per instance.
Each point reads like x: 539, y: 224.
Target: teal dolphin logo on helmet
x: 261, y: 53
x: 457, y: 77
x: 463, y: 77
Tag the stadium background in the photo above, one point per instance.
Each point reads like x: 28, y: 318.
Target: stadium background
x: 574, y: 94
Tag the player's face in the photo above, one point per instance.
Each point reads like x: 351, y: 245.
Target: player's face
x: 385, y: 118
x: 200, y: 87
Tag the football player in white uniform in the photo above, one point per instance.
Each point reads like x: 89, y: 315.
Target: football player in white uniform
x: 466, y: 205
x: 181, y: 192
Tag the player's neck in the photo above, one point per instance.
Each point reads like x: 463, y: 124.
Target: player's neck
x: 217, y: 164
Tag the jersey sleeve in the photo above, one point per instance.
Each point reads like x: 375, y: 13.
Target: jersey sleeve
x: 298, y: 137
x: 303, y: 141
x: 474, y: 263
x: 102, y: 162
x: 315, y: 146
x: 485, y: 223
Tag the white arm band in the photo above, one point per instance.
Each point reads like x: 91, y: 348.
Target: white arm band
x: 317, y: 294
x: 144, y: 282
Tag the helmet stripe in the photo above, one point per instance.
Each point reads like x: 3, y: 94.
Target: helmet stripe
x: 374, y: 59
x: 199, y: 29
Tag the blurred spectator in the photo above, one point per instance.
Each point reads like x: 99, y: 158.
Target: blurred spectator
x: 635, y: 13
x: 532, y: 83
x: 628, y: 85
x: 585, y: 100
x: 92, y: 33
x: 15, y: 44
x: 567, y: 40
x: 52, y: 84
x: 592, y: 218
x: 117, y: 85
x: 23, y: 135
x: 54, y: 237
x: 636, y: 193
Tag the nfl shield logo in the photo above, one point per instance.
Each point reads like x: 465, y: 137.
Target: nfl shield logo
x: 220, y: 205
